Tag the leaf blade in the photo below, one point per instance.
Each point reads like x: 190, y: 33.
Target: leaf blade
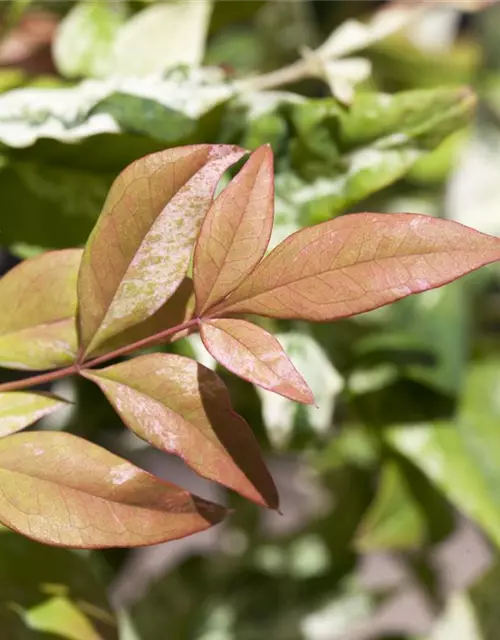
x: 38, y: 325
x: 19, y: 409
x: 376, y: 259
x: 254, y: 354
x: 235, y: 232
x: 48, y: 495
x: 158, y: 203
x: 182, y: 407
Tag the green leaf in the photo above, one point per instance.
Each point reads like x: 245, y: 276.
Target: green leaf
x: 154, y: 209
x: 50, y: 589
x: 346, y: 155
x: 427, y: 335
x: 71, y: 114
x: 37, y: 320
x: 55, y: 205
x: 281, y: 415
x: 18, y: 409
x: 359, y: 262
x: 483, y: 597
x: 49, y: 495
x: 84, y: 39
x: 184, y: 408
x: 162, y: 36
x: 60, y: 616
x: 394, y: 520
x: 460, y: 460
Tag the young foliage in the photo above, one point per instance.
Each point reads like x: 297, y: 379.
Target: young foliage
x: 19, y: 409
x: 182, y: 407
x: 37, y: 326
x: 153, y: 210
x: 133, y: 292
x: 61, y: 489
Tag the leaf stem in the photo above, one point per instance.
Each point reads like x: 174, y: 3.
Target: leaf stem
x: 17, y: 385
x: 24, y: 383
x: 145, y: 342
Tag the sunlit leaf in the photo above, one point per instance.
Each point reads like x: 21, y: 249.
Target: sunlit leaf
x: 394, y: 520
x: 235, y: 232
x: 62, y: 490
x: 139, y: 250
x: 254, y: 354
x: 49, y: 589
x: 458, y: 621
x: 167, y: 108
x: 178, y: 309
x: 347, y: 154
x: 18, y: 409
x: 84, y: 38
x: 461, y: 457
x: 37, y: 314
x: 359, y: 262
x: 162, y: 36
x: 182, y: 407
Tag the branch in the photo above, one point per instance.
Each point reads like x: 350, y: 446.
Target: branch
x: 25, y: 383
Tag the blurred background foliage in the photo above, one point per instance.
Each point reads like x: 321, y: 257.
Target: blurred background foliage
x: 391, y: 485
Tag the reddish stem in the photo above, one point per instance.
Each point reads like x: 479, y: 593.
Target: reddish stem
x: 42, y: 378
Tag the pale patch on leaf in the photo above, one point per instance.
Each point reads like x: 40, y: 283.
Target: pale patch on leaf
x: 49, y: 495
x: 71, y: 114
x: 139, y: 250
x: 162, y: 36
x: 84, y: 38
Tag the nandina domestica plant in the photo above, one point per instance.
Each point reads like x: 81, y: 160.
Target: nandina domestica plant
x: 71, y: 311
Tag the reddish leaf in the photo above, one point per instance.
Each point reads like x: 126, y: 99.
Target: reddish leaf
x: 235, y: 232
x: 37, y: 314
x: 19, y: 409
x: 178, y: 309
x: 180, y: 406
x: 252, y: 353
x: 62, y: 490
x: 139, y: 250
x: 357, y: 263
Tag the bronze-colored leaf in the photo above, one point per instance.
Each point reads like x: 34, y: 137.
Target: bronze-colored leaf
x: 236, y: 231
x: 256, y: 355
x: 182, y: 407
x: 38, y: 310
x: 139, y: 250
x: 178, y: 309
x: 357, y: 263
x: 62, y: 490
x: 19, y: 409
